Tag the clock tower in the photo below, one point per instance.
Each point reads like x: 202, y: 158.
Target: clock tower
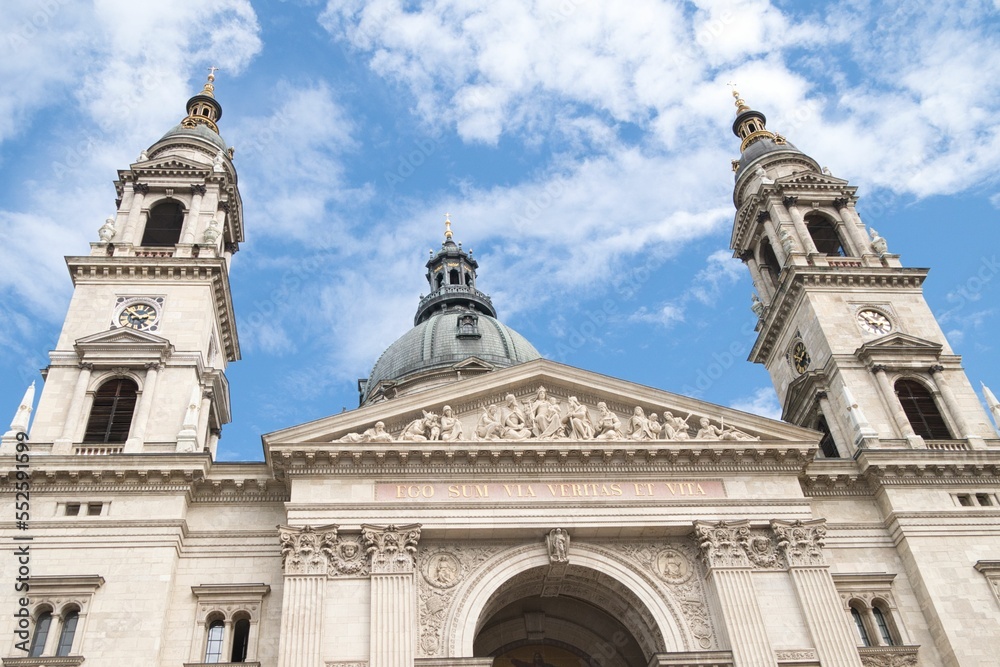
x: 852, y: 347
x: 140, y: 363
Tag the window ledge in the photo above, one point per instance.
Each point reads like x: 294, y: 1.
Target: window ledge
x: 49, y: 661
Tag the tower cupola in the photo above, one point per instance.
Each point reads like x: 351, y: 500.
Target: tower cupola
x: 203, y: 109
x: 451, y: 275
x: 750, y: 125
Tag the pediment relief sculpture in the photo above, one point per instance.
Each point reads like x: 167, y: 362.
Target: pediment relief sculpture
x: 544, y: 417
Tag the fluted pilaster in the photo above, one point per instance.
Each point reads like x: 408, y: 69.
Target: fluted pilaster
x: 391, y: 551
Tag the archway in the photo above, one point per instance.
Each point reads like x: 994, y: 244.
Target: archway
x: 596, y: 610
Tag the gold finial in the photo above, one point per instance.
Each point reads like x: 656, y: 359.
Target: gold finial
x: 209, y: 88
x: 447, y: 226
x: 741, y: 105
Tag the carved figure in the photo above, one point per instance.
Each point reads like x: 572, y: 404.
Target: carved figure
x: 212, y: 232
x: 422, y: 429
x: 638, y: 425
x: 756, y: 305
x: 488, y: 427
x: 577, y: 421
x: 710, y: 431
x: 143, y: 156
x: 544, y: 415
x: 826, y: 171
x: 654, y: 426
x: 879, y: 244
x: 608, y: 426
x: 675, y: 428
x: 557, y: 542
x: 375, y: 434
x: 217, y: 163
x: 107, y: 231
x: 515, y: 425
x: 451, y: 427
x: 762, y: 175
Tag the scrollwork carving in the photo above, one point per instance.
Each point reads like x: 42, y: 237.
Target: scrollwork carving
x: 724, y: 544
x: 390, y: 549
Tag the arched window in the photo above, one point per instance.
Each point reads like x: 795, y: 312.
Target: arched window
x: 42, y: 625
x: 827, y: 444
x: 439, y: 280
x: 453, y: 277
x: 921, y: 410
x: 68, y: 633
x: 769, y: 261
x: 241, y: 640
x: 883, y: 626
x: 859, y: 623
x: 468, y: 279
x: 111, y: 414
x: 163, y: 227
x: 824, y: 235
x: 213, y: 647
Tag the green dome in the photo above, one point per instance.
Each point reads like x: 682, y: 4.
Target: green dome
x: 200, y: 131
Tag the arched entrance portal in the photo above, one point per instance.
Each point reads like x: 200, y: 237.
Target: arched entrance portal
x: 582, y: 618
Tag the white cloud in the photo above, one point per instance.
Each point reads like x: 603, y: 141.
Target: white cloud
x: 666, y: 316
x: 761, y: 402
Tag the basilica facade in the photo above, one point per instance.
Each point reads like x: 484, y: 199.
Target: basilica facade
x: 484, y: 505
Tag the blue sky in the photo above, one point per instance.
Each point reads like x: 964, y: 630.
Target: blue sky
x: 582, y: 148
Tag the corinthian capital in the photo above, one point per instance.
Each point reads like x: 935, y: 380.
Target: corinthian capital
x: 307, y: 550
x: 801, y: 541
x: 724, y: 544
x: 391, y: 548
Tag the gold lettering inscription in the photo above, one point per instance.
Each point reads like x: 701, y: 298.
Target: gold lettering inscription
x: 646, y: 491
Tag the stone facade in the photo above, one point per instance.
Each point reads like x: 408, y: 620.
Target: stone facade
x: 529, y: 513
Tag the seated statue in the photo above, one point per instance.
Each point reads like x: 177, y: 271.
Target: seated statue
x: 608, y: 426
x: 451, y: 427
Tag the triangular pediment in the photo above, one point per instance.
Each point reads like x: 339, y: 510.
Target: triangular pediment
x: 121, y: 344
x: 480, y: 402
x: 812, y: 179
x: 171, y: 165
x: 473, y: 365
x: 898, y: 347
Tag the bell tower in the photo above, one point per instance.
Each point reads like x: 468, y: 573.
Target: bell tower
x: 852, y: 347
x: 140, y: 363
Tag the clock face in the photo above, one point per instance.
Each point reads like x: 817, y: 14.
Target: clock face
x: 139, y: 315
x: 800, y: 357
x: 874, y: 322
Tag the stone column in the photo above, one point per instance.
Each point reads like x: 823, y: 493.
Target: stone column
x: 203, y: 415
x: 724, y: 548
x: 138, y: 435
x: 191, y: 223
x: 766, y: 290
x: 954, y: 409
x: 833, y: 423
x: 75, y: 411
x: 855, y: 227
x: 896, y: 408
x: 305, y: 554
x: 134, y: 212
x: 802, y: 544
x: 805, y: 238
x: 393, y: 603
x: 775, y: 239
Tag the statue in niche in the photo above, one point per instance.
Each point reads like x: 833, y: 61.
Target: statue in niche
x: 640, y: 427
x: 577, y: 421
x: 107, y: 231
x: 879, y: 245
x: 515, y: 424
x: 762, y: 175
x: 675, y: 428
x: 756, y: 305
x: 375, y: 434
x: 608, y: 426
x: 544, y: 414
x: 557, y: 542
x: 710, y: 431
x: 488, y: 427
x: 422, y: 429
x: 451, y: 427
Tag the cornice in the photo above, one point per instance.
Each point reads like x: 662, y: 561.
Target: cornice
x: 556, y: 457
x: 798, y: 279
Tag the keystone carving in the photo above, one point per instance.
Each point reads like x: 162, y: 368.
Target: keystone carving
x: 557, y: 542
x: 801, y: 541
x: 391, y: 549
